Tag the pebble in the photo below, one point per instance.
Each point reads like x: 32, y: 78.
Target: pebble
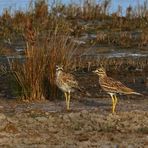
x: 53, y: 130
x: 41, y: 119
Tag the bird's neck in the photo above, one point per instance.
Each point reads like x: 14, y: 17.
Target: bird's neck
x: 102, y: 76
x: 58, y: 73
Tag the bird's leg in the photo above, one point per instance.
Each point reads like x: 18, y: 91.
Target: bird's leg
x: 68, y: 103
x: 66, y: 97
x: 115, y: 99
x: 113, y: 103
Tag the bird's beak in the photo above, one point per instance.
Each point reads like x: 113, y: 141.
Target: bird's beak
x: 94, y: 71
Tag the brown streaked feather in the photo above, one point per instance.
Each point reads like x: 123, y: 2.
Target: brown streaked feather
x: 66, y: 81
x: 69, y: 79
x: 111, y: 85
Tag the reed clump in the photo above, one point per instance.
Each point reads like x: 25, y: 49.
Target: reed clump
x: 47, y: 43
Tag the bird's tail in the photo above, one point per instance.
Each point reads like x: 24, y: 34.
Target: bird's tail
x: 83, y: 91
x: 136, y: 93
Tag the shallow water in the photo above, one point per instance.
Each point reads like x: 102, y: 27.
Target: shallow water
x: 117, y: 54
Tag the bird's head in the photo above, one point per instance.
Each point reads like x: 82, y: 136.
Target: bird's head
x: 59, y: 68
x: 100, y: 71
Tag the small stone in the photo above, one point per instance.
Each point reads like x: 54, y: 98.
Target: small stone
x: 72, y: 115
x: 12, y: 120
x: 85, y: 144
x: 53, y: 130
x: 10, y: 128
x: 84, y: 112
x: 41, y: 119
x: 3, y: 124
x: 46, y: 113
x: 30, y: 120
x: 2, y: 116
x: 66, y: 117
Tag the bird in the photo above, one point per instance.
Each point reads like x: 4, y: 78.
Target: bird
x: 112, y: 86
x: 67, y: 83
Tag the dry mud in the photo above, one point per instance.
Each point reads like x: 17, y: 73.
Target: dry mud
x: 90, y: 123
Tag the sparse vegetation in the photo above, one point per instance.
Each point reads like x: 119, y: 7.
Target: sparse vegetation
x: 47, y: 44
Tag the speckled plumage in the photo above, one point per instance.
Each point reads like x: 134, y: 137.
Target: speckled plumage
x: 66, y: 82
x: 112, y: 86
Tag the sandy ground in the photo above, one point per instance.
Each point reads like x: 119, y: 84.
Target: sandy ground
x: 90, y: 123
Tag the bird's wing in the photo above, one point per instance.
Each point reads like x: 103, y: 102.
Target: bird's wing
x: 116, y: 86
x: 70, y: 80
